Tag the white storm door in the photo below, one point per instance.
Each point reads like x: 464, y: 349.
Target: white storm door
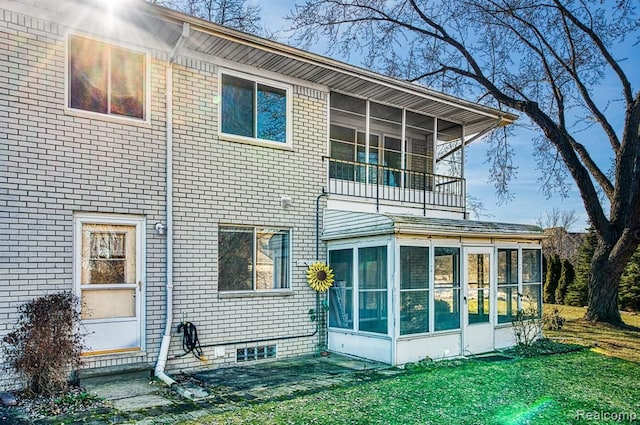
x: 478, y: 300
x: 109, y: 282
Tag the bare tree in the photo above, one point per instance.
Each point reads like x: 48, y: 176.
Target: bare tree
x: 236, y: 14
x: 560, y: 240
x: 546, y: 59
x: 557, y: 218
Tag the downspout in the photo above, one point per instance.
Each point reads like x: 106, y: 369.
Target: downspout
x: 318, y: 306
x: 166, y: 337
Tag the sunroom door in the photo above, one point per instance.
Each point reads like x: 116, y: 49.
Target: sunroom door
x: 478, y: 300
x: 109, y: 282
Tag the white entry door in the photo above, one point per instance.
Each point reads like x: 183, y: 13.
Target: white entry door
x: 109, y: 281
x: 478, y: 300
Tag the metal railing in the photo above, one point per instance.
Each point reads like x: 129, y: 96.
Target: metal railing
x: 383, y: 183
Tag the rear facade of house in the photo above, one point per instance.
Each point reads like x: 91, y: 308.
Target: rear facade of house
x: 168, y: 170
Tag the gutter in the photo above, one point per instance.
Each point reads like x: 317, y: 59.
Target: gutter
x: 166, y: 337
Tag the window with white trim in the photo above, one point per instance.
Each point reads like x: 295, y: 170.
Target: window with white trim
x: 532, y: 281
x: 414, y: 290
x: 519, y: 293
x: 106, y: 79
x: 253, y: 259
x: 254, y: 109
x: 358, y: 297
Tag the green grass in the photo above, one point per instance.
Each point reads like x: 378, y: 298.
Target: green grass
x: 603, y: 338
x: 543, y: 390
x: 551, y: 389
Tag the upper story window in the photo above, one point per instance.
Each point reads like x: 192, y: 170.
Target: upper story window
x: 106, y: 79
x: 255, y: 109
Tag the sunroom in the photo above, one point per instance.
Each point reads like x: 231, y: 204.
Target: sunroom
x: 408, y: 287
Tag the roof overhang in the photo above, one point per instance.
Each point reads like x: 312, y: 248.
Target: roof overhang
x: 210, y: 39
x: 340, y: 225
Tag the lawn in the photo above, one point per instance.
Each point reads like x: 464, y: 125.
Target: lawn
x: 602, y: 338
x: 584, y: 387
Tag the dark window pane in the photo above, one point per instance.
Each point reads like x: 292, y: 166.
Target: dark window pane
x: 414, y: 312
x: 272, y: 259
x: 272, y: 114
x: 447, y: 266
x: 373, y: 311
x: 237, y: 106
x: 235, y: 259
x: 507, y: 303
x: 88, y: 75
x: 507, y: 266
x: 531, y: 266
x: 447, y: 309
x: 414, y: 267
x: 127, y: 83
x: 372, y: 267
x: 341, y: 293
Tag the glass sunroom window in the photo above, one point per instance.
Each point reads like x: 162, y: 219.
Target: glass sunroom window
x: 254, y: 110
x: 507, y: 285
x: 414, y: 290
x: 446, y: 288
x: 532, y: 281
x: 372, y: 290
x: 341, y: 293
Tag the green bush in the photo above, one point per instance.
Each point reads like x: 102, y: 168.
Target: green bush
x: 46, y: 345
x: 554, y: 266
x: 567, y: 275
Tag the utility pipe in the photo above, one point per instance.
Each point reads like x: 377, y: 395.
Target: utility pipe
x: 166, y: 337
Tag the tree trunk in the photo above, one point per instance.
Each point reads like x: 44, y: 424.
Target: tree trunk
x: 604, y: 282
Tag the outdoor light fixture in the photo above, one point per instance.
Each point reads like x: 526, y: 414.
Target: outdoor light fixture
x: 285, y: 201
x: 161, y: 229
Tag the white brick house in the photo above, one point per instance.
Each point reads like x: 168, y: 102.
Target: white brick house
x: 167, y: 170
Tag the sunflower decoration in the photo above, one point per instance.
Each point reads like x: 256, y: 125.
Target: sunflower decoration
x: 320, y: 276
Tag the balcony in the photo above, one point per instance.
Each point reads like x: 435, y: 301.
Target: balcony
x: 393, y: 185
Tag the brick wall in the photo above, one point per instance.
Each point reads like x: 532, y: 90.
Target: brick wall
x: 54, y: 164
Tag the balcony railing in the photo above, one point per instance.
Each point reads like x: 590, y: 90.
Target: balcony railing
x: 383, y: 183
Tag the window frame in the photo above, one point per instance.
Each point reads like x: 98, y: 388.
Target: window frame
x: 435, y: 286
x: 254, y: 290
x: 520, y: 284
x: 288, y: 89
x: 387, y: 244
x: 108, y: 116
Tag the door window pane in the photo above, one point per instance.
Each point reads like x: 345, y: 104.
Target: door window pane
x: 414, y: 290
x: 108, y: 254
x: 341, y: 293
x: 478, y: 292
x: 108, y: 303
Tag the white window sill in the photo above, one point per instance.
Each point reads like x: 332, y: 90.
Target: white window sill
x: 107, y: 118
x: 255, y: 142
x: 255, y: 294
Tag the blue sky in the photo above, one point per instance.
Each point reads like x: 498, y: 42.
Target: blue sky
x: 529, y: 202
